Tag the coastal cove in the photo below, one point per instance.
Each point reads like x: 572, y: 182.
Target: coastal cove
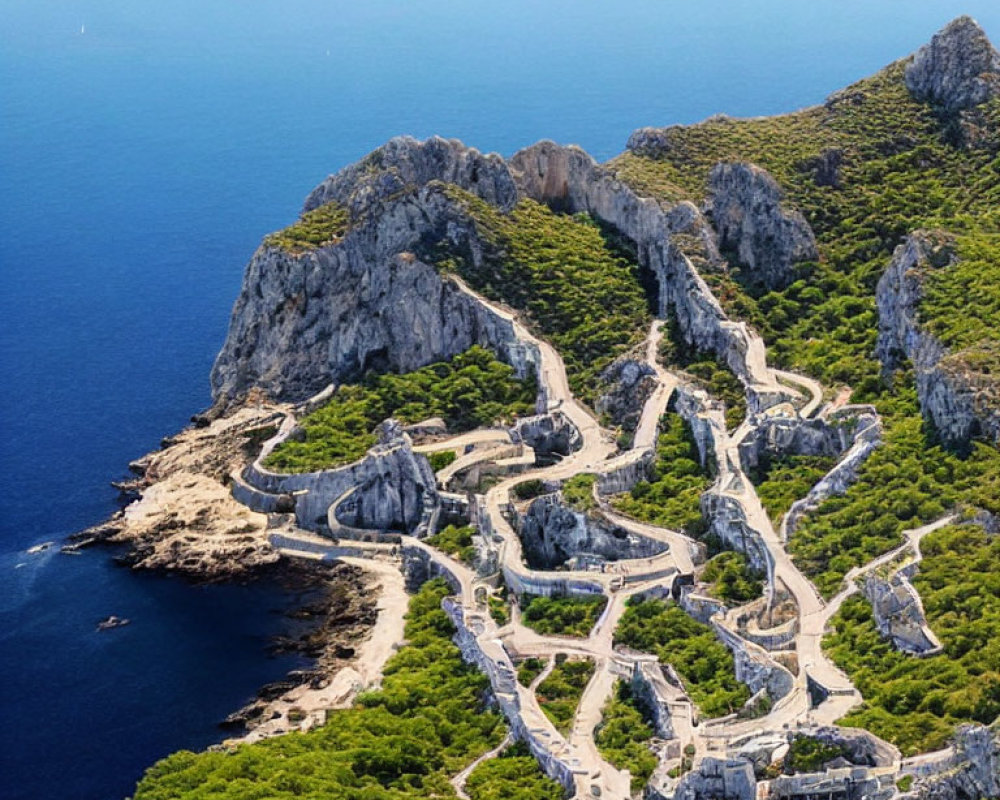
x: 141, y: 168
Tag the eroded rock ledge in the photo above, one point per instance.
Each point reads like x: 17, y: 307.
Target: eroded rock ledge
x: 954, y: 396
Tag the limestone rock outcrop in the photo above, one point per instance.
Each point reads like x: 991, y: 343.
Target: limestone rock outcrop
x: 553, y: 534
x: 975, y: 769
x: 390, y: 489
x: 629, y: 381
x: 365, y: 302
x: 959, y: 401
x: 767, y: 239
x: 184, y: 518
x: 666, y: 240
x: 404, y: 163
x: 957, y: 69
x: 899, y: 613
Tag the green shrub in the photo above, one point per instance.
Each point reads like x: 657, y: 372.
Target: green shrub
x: 623, y: 735
x: 317, y: 228
x: 529, y: 669
x: 917, y: 702
x: 573, y: 286
x: 441, y: 459
x: 564, y: 616
x: 513, y: 775
x: 809, y: 754
x: 559, y: 694
x: 455, y: 541
x: 529, y: 489
x: 705, y: 664
x: 671, y: 497
x: 578, y: 492
x: 471, y: 390
x: 782, y: 481
x: 732, y: 579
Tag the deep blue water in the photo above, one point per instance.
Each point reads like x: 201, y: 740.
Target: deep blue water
x: 140, y: 163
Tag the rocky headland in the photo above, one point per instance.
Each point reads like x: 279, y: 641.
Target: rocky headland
x: 398, y: 262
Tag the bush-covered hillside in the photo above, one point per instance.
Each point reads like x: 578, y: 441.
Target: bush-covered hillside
x: 705, y: 664
x: 575, y: 289
x: 321, y: 226
x: 472, y: 389
x: 901, y: 167
x: 404, y: 741
x: 916, y: 702
x: 670, y: 497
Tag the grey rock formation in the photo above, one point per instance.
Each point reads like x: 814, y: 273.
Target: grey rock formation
x: 715, y: 779
x: 405, y: 163
x: 776, y: 436
x: 768, y: 240
x: 548, y: 435
x: 553, y: 533
x: 666, y: 241
x: 366, y: 302
x: 899, y: 614
x: 957, y: 69
x: 387, y: 490
x: 629, y: 382
x: 975, y: 770
x: 959, y: 401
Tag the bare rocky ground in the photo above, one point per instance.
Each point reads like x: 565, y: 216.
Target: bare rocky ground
x: 183, y: 518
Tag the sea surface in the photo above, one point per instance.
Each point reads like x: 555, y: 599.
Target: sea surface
x: 145, y: 148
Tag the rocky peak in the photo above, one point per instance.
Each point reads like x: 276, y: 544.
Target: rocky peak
x: 404, y: 163
x: 745, y: 204
x: 957, y: 69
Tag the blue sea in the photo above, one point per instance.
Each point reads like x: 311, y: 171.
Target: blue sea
x: 145, y: 148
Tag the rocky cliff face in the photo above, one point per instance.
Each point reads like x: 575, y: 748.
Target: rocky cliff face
x: 629, y: 383
x: 977, y: 773
x: 365, y: 302
x: 552, y: 534
x: 953, y: 396
x: 957, y: 69
x: 567, y: 178
x: 767, y: 239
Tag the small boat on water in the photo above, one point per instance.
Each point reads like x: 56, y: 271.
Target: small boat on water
x: 112, y: 621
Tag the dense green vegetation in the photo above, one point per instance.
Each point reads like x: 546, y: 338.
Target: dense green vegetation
x: 905, y: 483
x: 456, y: 541
x: 782, y: 481
x: 441, y: 459
x: 529, y: 669
x: 961, y: 307
x: 622, y: 737
x: 670, y: 498
x: 513, y: 775
x: 578, y: 492
x: 563, y: 616
x: 576, y: 290
x: 916, y: 702
x: 321, y: 226
x: 529, y: 490
x: 404, y: 741
x: 901, y: 168
x: 471, y: 390
x: 732, y: 579
x: 809, y: 754
x: 559, y: 694
x: 705, y: 664
x: 707, y: 371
